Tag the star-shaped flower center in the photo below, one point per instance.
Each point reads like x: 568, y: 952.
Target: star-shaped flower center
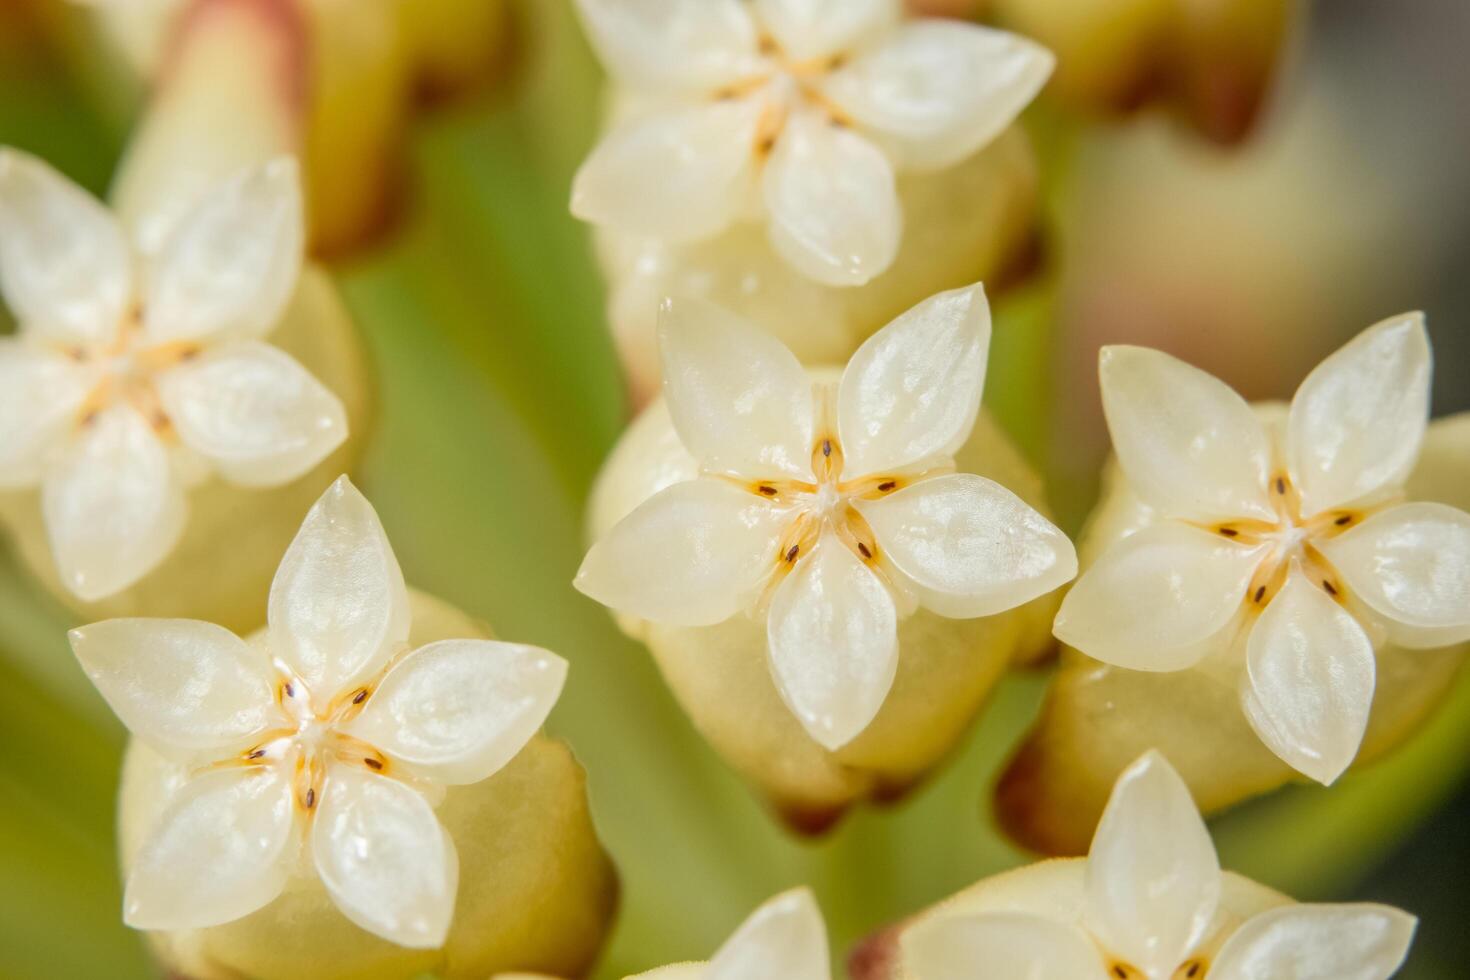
x: 126, y: 371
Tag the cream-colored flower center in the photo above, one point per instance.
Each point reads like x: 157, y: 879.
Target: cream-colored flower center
x: 782, y: 82
x: 126, y: 370
x: 1195, y: 968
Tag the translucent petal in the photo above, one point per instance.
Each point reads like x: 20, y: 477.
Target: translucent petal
x: 456, y: 711
x: 40, y: 393
x: 1309, y: 680
x: 833, y: 639
x: 65, y: 267
x: 693, y: 554
x: 253, y: 411
x: 679, y: 45
x: 936, y: 91
x: 912, y: 390
x: 1358, y: 419
x: 971, y: 546
x: 1010, y: 945
x: 1411, y: 565
x: 386, y: 861
x: 231, y: 264
x: 1187, y: 443
x: 833, y: 206
x: 338, y: 605
x: 181, y: 684
x: 809, y: 29
x: 679, y: 175
x: 219, y: 852
x: 783, y: 938
x: 113, y: 509
x: 1153, y: 879
x: 1318, y: 942
x: 740, y: 400
x: 1152, y: 600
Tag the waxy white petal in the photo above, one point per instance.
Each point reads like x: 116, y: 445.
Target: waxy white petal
x: 970, y: 546
x: 219, y: 852
x: 1309, y: 680
x: 679, y: 175
x: 693, y: 554
x: 338, y: 605
x: 912, y: 390
x: 683, y: 45
x: 741, y: 402
x: 1188, y: 444
x: 384, y: 858
x: 254, y: 412
x: 833, y: 643
x: 180, y: 684
x: 1318, y: 942
x: 1009, y: 945
x: 1358, y: 419
x: 40, y: 394
x: 832, y: 203
x: 1411, y: 565
x: 231, y: 264
x: 65, y: 267
x: 783, y: 938
x: 936, y: 91
x: 456, y: 711
x: 1154, y: 600
x: 809, y: 29
x: 112, y: 506
x: 1153, y: 879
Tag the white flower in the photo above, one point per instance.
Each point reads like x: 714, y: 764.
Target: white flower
x: 136, y: 371
x: 315, y: 749
x: 1284, y: 542
x: 784, y: 938
x: 793, y: 112
x: 828, y: 509
x: 1153, y: 904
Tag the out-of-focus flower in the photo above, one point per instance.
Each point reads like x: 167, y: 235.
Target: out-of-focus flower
x: 1150, y: 902
x: 139, y: 367
x: 784, y: 938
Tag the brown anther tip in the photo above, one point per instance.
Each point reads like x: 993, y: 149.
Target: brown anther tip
x: 359, y: 697
x: 766, y: 145
x: 1229, y: 532
x: 90, y: 417
x: 1331, y: 589
x: 864, y: 549
x: 767, y: 490
x: 1193, y: 970
x: 826, y: 447
x: 310, y: 798
x: 256, y: 754
x: 373, y: 764
x: 1120, y: 971
x: 290, y: 691
x: 1280, y: 485
x: 1344, y: 519
x: 887, y: 485
x: 791, y: 554
x: 1260, y: 593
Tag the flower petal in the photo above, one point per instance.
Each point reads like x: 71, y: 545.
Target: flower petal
x: 40, y: 393
x: 740, y: 400
x: 338, y: 605
x: 180, y: 684
x: 680, y: 175
x: 1154, y: 599
x: 833, y: 205
x: 1153, y: 878
x: 683, y: 45
x: 231, y: 264
x: 112, y: 507
x: 783, y: 938
x: 971, y: 546
x: 1318, y: 942
x: 912, y: 390
x: 936, y: 91
x: 65, y: 267
x: 1187, y: 442
x: 833, y: 639
x: 693, y: 554
x: 1358, y: 419
x: 810, y: 29
x: 1013, y: 945
x: 253, y: 411
x: 387, y: 863
x: 456, y: 711
x: 219, y: 852
x: 1411, y: 565
x: 1309, y: 680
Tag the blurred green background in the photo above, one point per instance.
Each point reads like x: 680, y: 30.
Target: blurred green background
x: 499, y: 394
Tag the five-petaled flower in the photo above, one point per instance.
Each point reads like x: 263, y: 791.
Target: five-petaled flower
x: 784, y: 938
x: 322, y: 746
x: 138, y: 367
x: 1277, y: 544
x: 792, y: 112
x: 1151, y: 903
x: 830, y: 509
